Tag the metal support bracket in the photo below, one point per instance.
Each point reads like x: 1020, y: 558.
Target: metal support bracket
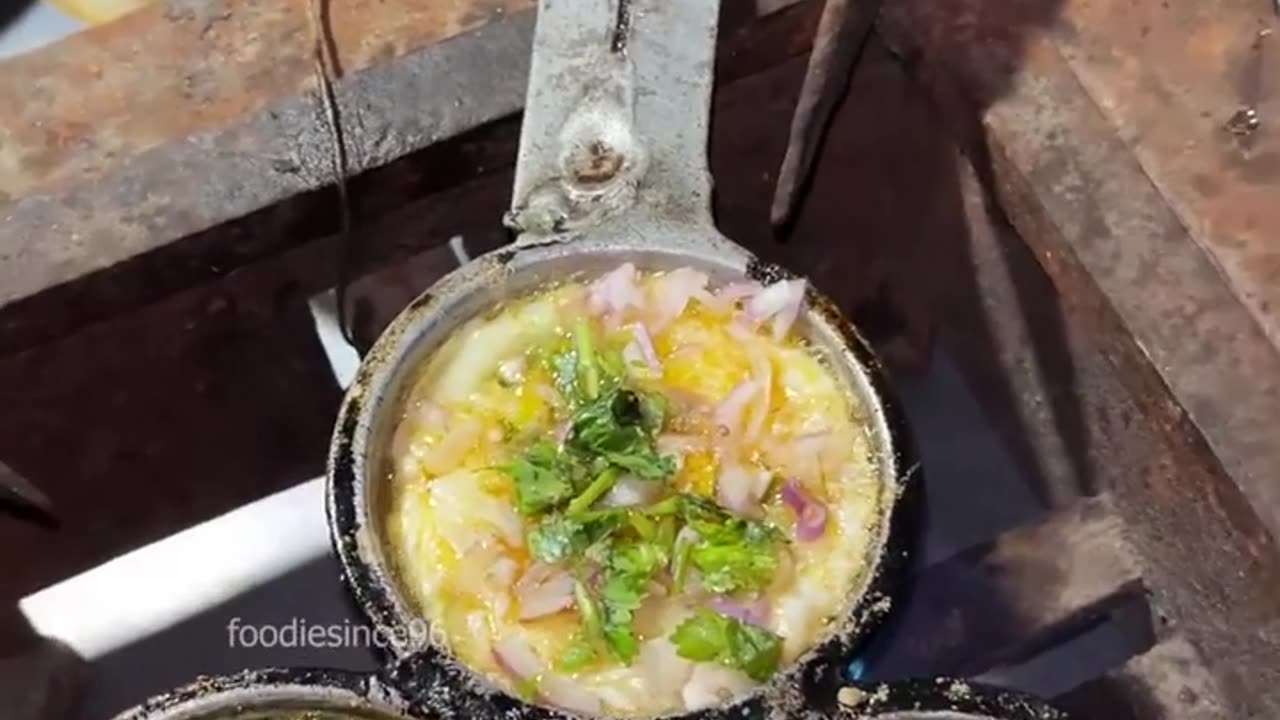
x: 616, y: 116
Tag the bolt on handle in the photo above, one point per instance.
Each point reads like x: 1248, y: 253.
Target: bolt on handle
x: 616, y: 115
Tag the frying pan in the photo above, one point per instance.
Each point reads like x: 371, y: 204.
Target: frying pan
x: 611, y: 168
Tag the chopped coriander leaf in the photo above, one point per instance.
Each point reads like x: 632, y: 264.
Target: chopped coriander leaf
x: 665, y: 535
x: 680, y: 553
x: 645, y: 527
x: 542, y: 479
x: 596, y: 490
x: 611, y: 427
x: 733, y: 554
x: 737, y: 555
x: 612, y: 367
x: 580, y: 654
x: 587, y: 609
x: 710, y: 637
x: 564, y: 369
x: 731, y: 568
x: 557, y: 538
x: 624, y: 587
x: 666, y: 507
x: 653, y: 411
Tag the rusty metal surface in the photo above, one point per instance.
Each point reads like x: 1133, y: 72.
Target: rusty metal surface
x: 70, y: 111
x: 1004, y: 601
x: 153, y: 218
x: 1166, y: 313
x: 144, y: 202
x: 1170, y: 77
x: 1211, y: 566
x: 1168, y: 682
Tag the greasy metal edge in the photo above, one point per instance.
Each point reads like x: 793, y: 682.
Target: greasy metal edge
x: 436, y: 680
x: 952, y: 696
x: 265, y: 689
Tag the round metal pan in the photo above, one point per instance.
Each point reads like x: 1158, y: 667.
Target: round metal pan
x: 611, y: 169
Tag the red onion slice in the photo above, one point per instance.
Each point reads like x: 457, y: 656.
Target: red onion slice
x: 762, y: 375
x: 740, y: 488
x: 780, y: 301
x: 811, y: 515
x: 647, y: 351
x: 543, y: 590
x: 755, y: 612
x: 673, y: 292
x: 728, y: 414
x: 517, y: 658
x: 631, y: 491
x: 564, y: 692
x: 613, y: 293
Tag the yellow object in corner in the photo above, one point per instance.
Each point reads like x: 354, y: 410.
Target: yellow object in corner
x: 97, y: 12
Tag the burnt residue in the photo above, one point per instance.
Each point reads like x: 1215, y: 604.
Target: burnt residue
x: 308, y: 688
x: 923, y: 698
x: 766, y: 273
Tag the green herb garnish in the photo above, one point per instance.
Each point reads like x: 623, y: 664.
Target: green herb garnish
x: 542, y: 477
x: 613, y: 427
x: 623, y: 589
x: 711, y: 637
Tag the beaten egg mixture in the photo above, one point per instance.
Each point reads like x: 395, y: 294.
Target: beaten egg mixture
x: 634, y: 494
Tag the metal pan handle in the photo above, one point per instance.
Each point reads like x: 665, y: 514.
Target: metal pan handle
x: 616, y: 115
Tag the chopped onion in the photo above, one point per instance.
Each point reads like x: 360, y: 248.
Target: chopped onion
x: 728, y: 414
x: 543, y: 590
x: 780, y: 301
x: 664, y: 670
x: 446, y: 454
x: 712, y: 684
x: 673, y: 291
x: 762, y: 375
x: 811, y: 515
x: 503, y: 571
x: 647, y: 351
x: 739, y: 488
x: 612, y: 294
x: 517, y: 658
x: 433, y: 418
x: 630, y: 491
x: 547, y: 393
x: 564, y: 692
x: 755, y: 612
x: 562, y: 432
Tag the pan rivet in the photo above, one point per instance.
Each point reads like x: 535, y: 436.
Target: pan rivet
x: 594, y: 163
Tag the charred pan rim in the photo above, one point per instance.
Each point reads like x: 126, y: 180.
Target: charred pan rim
x: 273, y: 688
x: 439, y: 686
x: 949, y: 695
